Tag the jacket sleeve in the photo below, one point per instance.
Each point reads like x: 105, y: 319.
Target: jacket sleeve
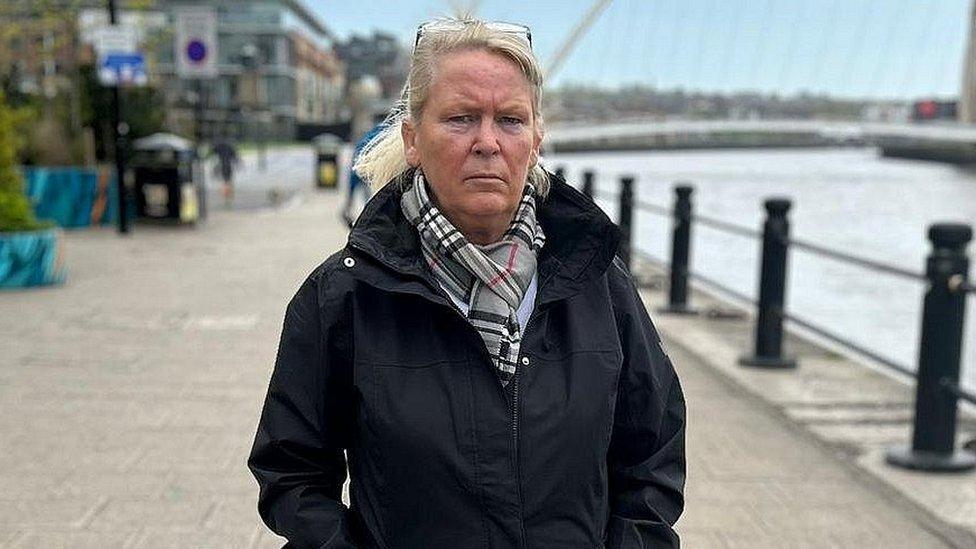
x: 297, y: 456
x: 646, y: 458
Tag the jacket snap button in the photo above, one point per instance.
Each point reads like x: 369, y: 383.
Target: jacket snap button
x: 349, y: 262
x: 525, y: 361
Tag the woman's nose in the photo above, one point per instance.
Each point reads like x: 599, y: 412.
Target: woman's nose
x: 486, y: 142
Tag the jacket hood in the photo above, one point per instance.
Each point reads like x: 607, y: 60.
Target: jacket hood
x: 581, y: 241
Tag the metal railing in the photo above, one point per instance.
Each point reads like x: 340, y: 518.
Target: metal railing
x: 937, y: 388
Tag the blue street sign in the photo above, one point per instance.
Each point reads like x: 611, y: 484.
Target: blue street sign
x: 123, y: 69
x: 196, y: 51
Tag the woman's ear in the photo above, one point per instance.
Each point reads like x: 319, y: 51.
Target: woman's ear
x: 409, y: 135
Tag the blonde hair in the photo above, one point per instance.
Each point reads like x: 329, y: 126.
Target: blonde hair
x: 383, y: 158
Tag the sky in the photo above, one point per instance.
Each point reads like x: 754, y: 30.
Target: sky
x: 895, y: 49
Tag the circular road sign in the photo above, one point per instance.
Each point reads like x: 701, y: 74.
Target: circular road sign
x: 196, y: 51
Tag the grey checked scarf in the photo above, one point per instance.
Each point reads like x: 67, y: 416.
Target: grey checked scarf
x: 492, y: 279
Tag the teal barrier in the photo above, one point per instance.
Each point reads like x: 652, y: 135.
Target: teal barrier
x: 70, y: 196
x: 30, y: 259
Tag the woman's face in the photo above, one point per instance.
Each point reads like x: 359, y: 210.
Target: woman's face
x: 476, y: 138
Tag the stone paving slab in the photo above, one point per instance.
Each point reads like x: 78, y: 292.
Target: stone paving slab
x: 129, y: 398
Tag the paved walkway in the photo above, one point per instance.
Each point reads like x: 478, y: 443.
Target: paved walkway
x: 129, y: 397
x: 754, y: 481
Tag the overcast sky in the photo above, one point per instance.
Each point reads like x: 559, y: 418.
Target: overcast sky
x: 855, y: 48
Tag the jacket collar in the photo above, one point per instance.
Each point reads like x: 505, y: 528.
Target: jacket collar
x: 580, y: 240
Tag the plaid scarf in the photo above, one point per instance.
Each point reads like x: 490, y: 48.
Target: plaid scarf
x: 492, y: 279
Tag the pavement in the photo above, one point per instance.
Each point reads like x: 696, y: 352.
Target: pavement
x: 283, y: 174
x: 129, y: 398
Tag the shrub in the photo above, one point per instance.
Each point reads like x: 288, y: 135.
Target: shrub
x: 15, y: 210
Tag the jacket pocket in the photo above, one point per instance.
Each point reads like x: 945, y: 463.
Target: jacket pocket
x: 421, y: 433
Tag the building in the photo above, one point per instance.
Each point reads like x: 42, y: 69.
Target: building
x: 319, y: 82
x: 37, y: 53
x: 379, y: 56
x: 276, y: 72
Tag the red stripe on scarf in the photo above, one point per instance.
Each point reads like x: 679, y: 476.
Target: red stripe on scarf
x: 508, y: 267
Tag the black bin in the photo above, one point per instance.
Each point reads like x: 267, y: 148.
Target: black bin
x: 162, y: 168
x: 327, y: 148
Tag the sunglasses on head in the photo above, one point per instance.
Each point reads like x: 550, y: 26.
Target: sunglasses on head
x: 455, y: 26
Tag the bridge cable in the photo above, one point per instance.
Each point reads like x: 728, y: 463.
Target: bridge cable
x: 817, y: 67
x: 760, y: 43
x: 563, y: 51
x: 731, y: 48
x: 854, y: 51
x: 789, y: 53
x: 645, y: 65
x: 630, y: 68
x: 675, y: 43
x: 695, y: 67
x: 607, y: 41
x: 657, y: 43
x: 885, y: 57
x: 911, y: 69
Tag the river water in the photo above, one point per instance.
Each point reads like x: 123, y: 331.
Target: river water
x: 850, y: 200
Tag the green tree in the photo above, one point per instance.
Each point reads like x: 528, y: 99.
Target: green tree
x: 15, y: 210
x: 72, y: 99
x: 142, y: 110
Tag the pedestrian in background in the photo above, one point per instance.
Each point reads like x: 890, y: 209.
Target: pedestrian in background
x: 475, y: 355
x: 356, y: 183
x: 227, y: 162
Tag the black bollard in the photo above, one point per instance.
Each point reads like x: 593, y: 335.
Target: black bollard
x: 944, y: 309
x: 588, y: 183
x: 626, y: 218
x: 680, y: 252
x: 772, y: 289
x: 560, y: 173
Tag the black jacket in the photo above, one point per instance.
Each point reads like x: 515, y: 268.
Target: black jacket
x: 585, y: 450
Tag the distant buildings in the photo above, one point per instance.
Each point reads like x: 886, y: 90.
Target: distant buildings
x: 277, y: 72
x: 379, y: 56
x: 37, y: 53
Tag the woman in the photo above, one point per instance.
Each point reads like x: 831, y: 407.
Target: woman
x: 485, y: 363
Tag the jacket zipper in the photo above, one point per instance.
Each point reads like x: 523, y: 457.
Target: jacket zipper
x: 515, y: 429
x: 515, y: 453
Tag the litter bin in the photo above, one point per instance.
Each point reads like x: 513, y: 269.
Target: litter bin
x: 326, y: 160
x: 162, y: 166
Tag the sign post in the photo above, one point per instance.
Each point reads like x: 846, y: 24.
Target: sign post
x: 119, y: 63
x: 196, y: 57
x: 196, y: 42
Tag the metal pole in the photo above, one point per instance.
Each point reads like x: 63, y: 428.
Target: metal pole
x: 201, y: 174
x: 940, y: 351
x: 772, y: 289
x: 263, y: 145
x: 119, y: 130
x: 967, y: 95
x: 588, y: 183
x: 680, y: 252
x: 626, y: 217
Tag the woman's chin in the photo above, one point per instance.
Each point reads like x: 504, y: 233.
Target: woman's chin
x: 487, y: 204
